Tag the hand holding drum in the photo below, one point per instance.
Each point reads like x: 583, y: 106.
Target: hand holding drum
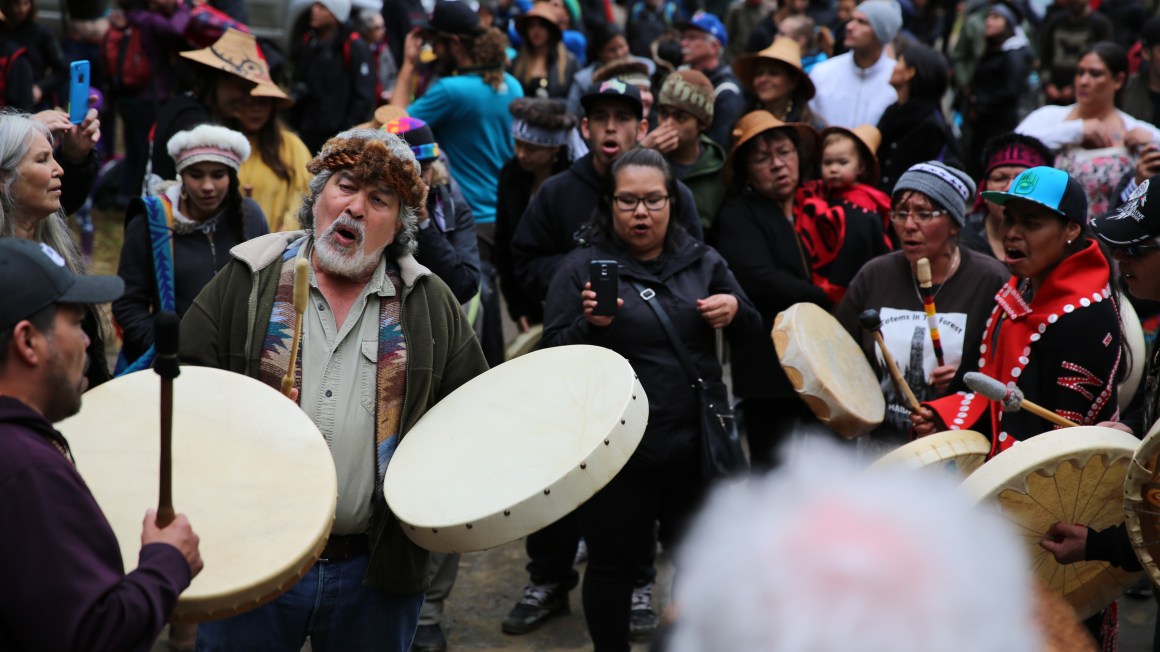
x: 1012, y: 398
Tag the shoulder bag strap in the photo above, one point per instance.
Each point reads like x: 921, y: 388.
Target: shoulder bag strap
x: 687, y: 363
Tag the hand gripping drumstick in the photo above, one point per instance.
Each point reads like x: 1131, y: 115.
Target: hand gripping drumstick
x: 166, y: 327
x: 1012, y: 398
x: 873, y: 323
x: 301, y: 294
x: 924, y: 282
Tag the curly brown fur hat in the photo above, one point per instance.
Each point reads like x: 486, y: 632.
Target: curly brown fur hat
x: 627, y: 70
x: 375, y: 156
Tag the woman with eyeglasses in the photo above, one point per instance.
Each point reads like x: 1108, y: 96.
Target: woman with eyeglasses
x: 930, y: 204
x: 1054, y: 331
x: 662, y: 480
x: 787, y: 243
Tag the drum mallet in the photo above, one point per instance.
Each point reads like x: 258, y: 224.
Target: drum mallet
x: 1011, y: 397
x: 301, y: 296
x: 166, y: 326
x: 871, y: 321
x: 927, y: 287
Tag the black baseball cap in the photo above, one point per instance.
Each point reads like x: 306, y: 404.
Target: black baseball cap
x: 1137, y: 220
x: 34, y: 276
x: 1053, y: 189
x: 455, y: 17
x: 618, y: 89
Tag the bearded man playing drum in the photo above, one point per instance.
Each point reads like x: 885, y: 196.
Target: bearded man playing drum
x: 65, y: 587
x: 383, y: 340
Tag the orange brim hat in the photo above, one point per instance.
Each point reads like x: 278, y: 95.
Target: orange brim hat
x: 784, y: 50
x: 237, y: 53
x: 544, y: 12
x: 755, y: 123
x: 868, y: 139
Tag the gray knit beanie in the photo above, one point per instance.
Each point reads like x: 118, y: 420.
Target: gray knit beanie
x: 948, y: 188
x: 885, y: 18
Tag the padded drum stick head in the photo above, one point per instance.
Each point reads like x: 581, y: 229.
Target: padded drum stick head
x: 923, y: 270
x: 166, y: 326
x: 301, y: 284
x: 1010, y: 396
x: 870, y: 320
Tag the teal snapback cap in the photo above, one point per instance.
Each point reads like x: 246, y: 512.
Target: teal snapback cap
x: 1051, y: 188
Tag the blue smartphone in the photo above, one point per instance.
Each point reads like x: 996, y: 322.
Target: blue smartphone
x: 78, y: 91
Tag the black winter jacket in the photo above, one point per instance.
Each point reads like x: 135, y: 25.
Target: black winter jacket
x: 759, y: 245
x: 196, y: 259
x: 690, y: 272
x: 557, y: 219
x: 728, y: 105
x: 515, y: 193
x: 333, y: 87
x: 448, y: 245
x: 913, y: 133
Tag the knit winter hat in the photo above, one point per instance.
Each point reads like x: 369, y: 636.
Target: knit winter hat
x: 212, y: 143
x: 691, y: 92
x: 948, y: 188
x: 340, y: 8
x: 418, y: 135
x: 1015, y: 149
x: 1006, y: 13
x: 885, y: 18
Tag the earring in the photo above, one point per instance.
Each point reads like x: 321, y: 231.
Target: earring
x: 185, y: 195
x: 1069, y: 243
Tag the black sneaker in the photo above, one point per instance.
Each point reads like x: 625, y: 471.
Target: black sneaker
x: 429, y: 638
x: 540, y: 602
x: 642, y: 620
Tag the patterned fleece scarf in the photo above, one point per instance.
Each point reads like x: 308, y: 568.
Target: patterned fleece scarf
x: 390, y: 379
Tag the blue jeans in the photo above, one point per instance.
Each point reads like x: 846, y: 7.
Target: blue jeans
x: 331, y: 606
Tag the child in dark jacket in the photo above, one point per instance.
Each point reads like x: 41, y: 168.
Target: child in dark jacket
x: 850, y: 171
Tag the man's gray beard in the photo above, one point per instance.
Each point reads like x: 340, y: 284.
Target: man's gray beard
x: 353, y: 264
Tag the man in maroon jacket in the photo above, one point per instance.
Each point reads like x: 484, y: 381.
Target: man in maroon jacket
x: 64, y: 586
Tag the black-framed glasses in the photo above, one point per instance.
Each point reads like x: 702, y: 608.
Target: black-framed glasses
x: 1137, y: 250
x: 922, y: 217
x: 630, y: 202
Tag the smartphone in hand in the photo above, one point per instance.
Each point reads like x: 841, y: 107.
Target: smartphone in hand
x: 604, y: 275
x: 78, y: 91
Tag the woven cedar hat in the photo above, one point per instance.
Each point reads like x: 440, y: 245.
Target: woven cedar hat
x: 868, y: 138
x: 237, y: 53
x: 784, y: 50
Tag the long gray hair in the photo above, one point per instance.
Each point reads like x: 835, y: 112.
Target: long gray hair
x: 16, y: 134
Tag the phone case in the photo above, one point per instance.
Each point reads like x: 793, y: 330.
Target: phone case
x: 78, y: 92
x: 604, y: 276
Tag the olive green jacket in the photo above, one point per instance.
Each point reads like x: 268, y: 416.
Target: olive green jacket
x: 226, y: 326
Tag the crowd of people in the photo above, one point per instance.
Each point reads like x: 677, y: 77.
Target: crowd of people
x: 445, y: 172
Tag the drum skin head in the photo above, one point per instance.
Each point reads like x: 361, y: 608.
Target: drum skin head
x: 828, y: 370
x: 1073, y: 475
x: 956, y: 451
x: 250, y: 470
x: 1142, y: 503
x: 516, y: 448
x: 1134, y: 340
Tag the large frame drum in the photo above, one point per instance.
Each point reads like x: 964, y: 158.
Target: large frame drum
x: 516, y: 448
x: 1071, y: 475
x: 250, y: 470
